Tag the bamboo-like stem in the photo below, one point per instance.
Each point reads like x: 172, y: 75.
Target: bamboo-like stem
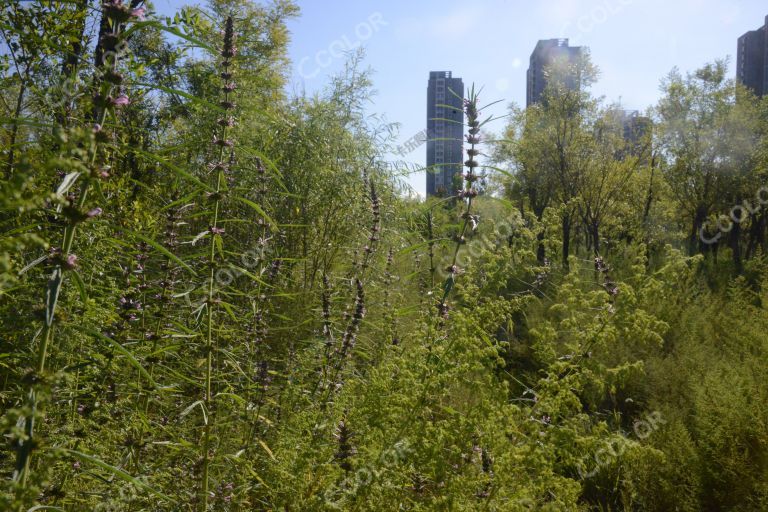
x: 431, y: 246
x: 350, y: 334
x: 227, y: 52
x: 55, y: 283
x: 259, y: 321
x: 468, y: 193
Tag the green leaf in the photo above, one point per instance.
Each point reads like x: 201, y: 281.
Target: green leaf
x: 421, y: 244
x: 115, y: 471
x: 32, y: 264
x: 241, y: 270
x: 190, y: 97
x: 23, y: 121
x: 175, y: 168
x: 199, y: 236
x: 448, y: 286
x: 80, y: 286
x: 134, y: 362
x: 181, y: 200
x: 502, y: 171
x: 171, y: 30
x: 258, y: 209
x: 270, y: 165
x: 228, y: 308
x: 161, y: 249
x: 67, y: 183
x: 192, y: 406
x: 219, y: 244
x: 266, y: 449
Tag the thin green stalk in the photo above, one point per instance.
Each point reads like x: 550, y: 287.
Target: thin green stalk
x: 55, y: 282
x: 468, y: 192
x: 228, y: 52
x: 259, y: 315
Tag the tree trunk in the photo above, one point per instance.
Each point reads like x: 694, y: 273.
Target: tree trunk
x: 756, y: 234
x: 69, y: 64
x: 595, y: 235
x: 540, y: 251
x: 649, y: 196
x: 11, y: 161
x: 566, y: 239
x: 734, y: 240
x: 695, y: 245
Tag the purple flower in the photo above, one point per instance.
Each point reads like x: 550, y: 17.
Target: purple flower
x: 94, y: 213
x: 139, y: 13
x: 70, y: 261
x: 443, y: 309
x: 223, y: 142
x: 216, y: 231
x: 118, y: 12
x: 120, y: 101
x: 218, y: 166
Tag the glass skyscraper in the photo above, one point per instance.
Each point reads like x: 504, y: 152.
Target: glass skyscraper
x: 546, y: 53
x: 752, y: 60
x: 445, y: 132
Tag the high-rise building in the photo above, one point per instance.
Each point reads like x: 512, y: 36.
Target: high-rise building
x: 547, y: 53
x: 752, y: 60
x: 636, y: 129
x: 445, y: 132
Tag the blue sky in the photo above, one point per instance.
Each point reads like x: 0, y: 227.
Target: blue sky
x: 633, y: 42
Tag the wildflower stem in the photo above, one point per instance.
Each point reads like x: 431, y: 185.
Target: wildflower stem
x: 55, y: 282
x: 228, y: 51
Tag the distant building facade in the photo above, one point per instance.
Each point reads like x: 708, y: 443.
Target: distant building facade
x: 752, y: 60
x: 445, y: 132
x: 636, y: 130
x: 546, y: 53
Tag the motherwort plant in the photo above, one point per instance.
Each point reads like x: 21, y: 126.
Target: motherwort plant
x: 83, y: 160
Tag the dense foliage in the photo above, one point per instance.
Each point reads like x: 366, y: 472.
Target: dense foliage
x: 216, y: 296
